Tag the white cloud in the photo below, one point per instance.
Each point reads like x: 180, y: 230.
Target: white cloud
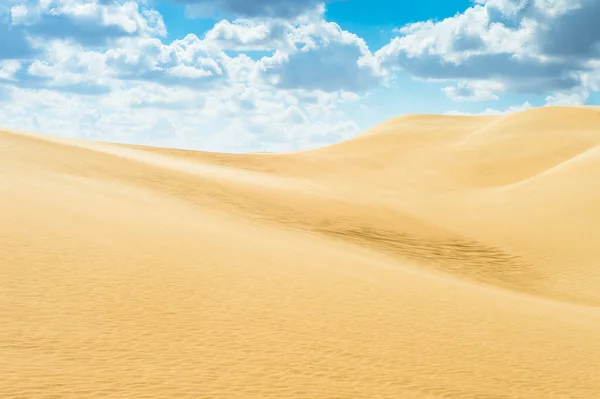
x: 112, y: 61
x: 473, y: 91
x: 86, y: 21
x: 234, y: 119
x: 244, y: 35
x: 19, y: 14
x: 573, y: 97
x: 8, y: 69
x: 188, y: 92
x: 66, y: 64
x: 278, y: 76
x: 514, y: 45
x: 324, y: 57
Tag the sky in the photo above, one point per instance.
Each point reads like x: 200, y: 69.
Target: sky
x: 284, y: 75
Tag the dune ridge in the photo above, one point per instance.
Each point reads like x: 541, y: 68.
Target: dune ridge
x: 430, y: 257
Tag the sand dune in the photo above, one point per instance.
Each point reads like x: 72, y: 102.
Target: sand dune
x: 431, y: 257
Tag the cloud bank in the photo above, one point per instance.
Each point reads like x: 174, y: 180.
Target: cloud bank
x: 270, y: 74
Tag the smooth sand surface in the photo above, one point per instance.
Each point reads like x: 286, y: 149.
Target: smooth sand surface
x: 431, y: 257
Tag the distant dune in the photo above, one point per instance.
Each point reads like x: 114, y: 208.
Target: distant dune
x: 430, y: 257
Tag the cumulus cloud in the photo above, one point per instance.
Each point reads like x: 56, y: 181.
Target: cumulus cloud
x: 313, y: 55
x: 309, y: 54
x: 236, y: 119
x: 89, y: 22
x: 40, y: 32
x: 473, y: 91
x: 515, y: 45
x: 185, y: 62
x: 108, y: 68
x: 247, y: 34
x: 331, y: 68
x: 273, y: 75
x: 324, y: 57
x: 68, y: 67
x: 574, y: 97
x: 8, y: 69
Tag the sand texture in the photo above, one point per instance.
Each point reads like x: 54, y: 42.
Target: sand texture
x: 430, y: 257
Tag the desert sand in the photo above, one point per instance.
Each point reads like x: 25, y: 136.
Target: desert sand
x: 430, y: 257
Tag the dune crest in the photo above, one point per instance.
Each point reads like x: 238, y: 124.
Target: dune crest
x: 431, y: 257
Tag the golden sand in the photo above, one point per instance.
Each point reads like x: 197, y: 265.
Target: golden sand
x: 431, y: 257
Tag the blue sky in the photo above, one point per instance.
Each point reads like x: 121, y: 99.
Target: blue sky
x: 375, y: 20
x: 280, y: 75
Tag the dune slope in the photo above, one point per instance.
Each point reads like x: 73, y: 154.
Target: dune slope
x: 431, y: 257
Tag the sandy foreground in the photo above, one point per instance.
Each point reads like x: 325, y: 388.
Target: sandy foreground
x: 431, y: 257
